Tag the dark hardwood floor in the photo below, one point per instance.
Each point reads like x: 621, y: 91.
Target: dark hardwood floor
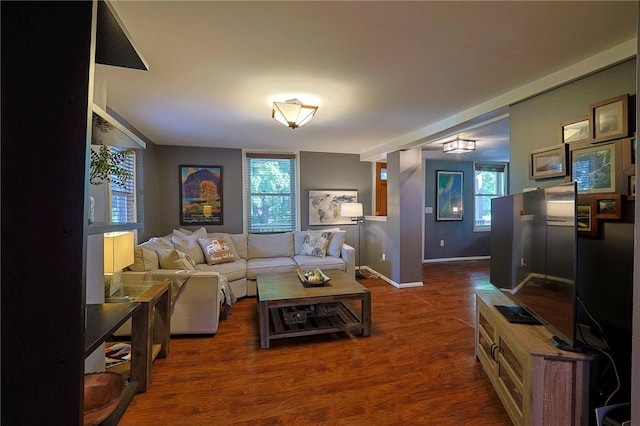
x: 417, y: 367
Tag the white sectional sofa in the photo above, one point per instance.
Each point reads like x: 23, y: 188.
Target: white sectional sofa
x: 199, y: 273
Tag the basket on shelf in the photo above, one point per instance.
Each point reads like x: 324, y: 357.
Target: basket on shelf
x: 295, y: 314
x: 102, y: 394
x: 325, y: 309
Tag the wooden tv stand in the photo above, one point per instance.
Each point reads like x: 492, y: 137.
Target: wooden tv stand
x: 537, y: 383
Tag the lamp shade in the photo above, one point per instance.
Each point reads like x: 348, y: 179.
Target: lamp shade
x: 293, y: 113
x: 351, y: 210
x: 118, y: 251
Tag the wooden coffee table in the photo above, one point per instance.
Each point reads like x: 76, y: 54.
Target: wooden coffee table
x: 277, y: 293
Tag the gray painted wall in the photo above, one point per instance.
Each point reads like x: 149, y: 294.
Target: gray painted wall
x: 535, y: 123
x: 321, y: 170
x: 459, y: 238
x: 605, y: 264
x: 159, y: 189
x: 170, y: 158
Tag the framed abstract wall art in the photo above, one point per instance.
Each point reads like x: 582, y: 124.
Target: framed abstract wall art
x: 449, y: 195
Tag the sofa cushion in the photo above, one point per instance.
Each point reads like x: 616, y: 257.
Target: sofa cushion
x: 269, y: 265
x: 270, y: 245
x: 315, y: 243
x: 233, y: 270
x: 190, y: 246
x: 217, y: 250
x: 336, y: 243
x: 240, y: 244
x: 298, y: 241
x: 145, y: 256
x: 325, y: 263
x: 174, y: 259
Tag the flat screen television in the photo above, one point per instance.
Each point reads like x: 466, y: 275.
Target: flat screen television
x: 534, y: 256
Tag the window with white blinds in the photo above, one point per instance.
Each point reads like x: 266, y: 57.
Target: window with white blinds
x: 123, y: 197
x: 490, y: 181
x: 270, y: 188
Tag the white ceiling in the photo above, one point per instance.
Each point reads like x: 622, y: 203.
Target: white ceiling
x: 386, y: 75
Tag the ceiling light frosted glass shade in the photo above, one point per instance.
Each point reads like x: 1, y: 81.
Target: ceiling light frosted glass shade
x: 118, y: 251
x: 458, y: 145
x: 351, y: 210
x: 293, y: 113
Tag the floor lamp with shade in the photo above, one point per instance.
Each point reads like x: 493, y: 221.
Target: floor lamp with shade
x: 356, y: 213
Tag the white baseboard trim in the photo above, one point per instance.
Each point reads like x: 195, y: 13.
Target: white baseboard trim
x: 376, y: 274
x: 455, y: 259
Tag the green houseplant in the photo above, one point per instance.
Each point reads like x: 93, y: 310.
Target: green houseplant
x: 106, y: 166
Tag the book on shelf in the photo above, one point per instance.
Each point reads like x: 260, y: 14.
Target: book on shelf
x: 116, y: 354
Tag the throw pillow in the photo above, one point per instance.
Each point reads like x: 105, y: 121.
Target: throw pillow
x: 145, y: 257
x: 336, y: 242
x: 182, y: 233
x: 174, y: 259
x: 228, y: 238
x: 217, y: 251
x: 316, y: 243
x: 190, y: 246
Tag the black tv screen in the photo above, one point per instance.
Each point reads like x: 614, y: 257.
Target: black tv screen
x: 534, y: 255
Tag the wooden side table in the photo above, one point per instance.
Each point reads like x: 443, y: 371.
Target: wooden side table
x: 150, y: 328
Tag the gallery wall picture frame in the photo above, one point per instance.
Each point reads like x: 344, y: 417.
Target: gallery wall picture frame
x: 629, y: 149
x: 593, y: 167
x: 449, y: 195
x: 587, y: 224
x: 201, y: 199
x: 631, y: 186
x: 575, y: 130
x: 608, y: 206
x: 324, y: 206
x: 549, y: 162
x: 609, y: 119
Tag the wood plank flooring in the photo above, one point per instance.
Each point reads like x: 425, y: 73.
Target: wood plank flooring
x: 417, y: 367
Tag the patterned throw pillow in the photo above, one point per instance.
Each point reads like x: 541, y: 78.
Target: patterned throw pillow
x: 315, y: 243
x: 217, y: 250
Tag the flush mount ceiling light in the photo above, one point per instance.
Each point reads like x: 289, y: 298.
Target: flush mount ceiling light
x: 458, y: 145
x: 293, y: 113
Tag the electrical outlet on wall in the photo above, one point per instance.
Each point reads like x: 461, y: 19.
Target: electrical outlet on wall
x: 441, y: 243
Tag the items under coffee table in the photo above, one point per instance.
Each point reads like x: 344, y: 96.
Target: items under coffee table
x: 288, y: 308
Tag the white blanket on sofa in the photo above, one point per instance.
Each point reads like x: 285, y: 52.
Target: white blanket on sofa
x: 177, y: 278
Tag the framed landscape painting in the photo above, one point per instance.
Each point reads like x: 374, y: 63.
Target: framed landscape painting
x: 449, y: 195
x: 200, y: 195
x: 324, y: 206
x: 548, y: 162
x: 575, y: 130
x: 610, y: 119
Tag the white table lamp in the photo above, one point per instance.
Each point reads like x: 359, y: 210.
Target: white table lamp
x: 118, y: 254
